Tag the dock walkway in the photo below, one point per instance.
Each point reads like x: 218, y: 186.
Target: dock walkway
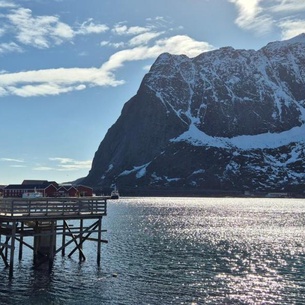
x: 52, y: 208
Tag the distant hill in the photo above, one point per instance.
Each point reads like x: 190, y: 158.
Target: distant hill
x: 226, y: 120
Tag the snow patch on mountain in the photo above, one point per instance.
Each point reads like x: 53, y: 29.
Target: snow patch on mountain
x: 139, y: 170
x: 246, y: 142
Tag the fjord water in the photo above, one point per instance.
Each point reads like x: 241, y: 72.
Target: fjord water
x: 178, y: 251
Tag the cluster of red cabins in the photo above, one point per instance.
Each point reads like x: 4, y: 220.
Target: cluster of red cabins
x: 47, y: 189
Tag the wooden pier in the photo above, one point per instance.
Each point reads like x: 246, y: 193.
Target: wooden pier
x: 44, y: 219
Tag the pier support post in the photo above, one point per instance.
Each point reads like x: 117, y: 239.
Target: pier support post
x: 21, y: 241
x: 45, y: 243
x: 63, y: 242
x: 52, y: 245
x: 99, y: 241
x: 12, y: 249
x: 7, y: 239
x: 81, y: 229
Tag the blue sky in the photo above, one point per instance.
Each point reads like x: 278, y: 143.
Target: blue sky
x: 68, y: 66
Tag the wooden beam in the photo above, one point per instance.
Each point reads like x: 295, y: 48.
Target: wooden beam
x: 24, y: 243
x: 71, y: 234
x: 74, y: 239
x: 5, y: 246
x: 83, y: 240
x: 96, y: 240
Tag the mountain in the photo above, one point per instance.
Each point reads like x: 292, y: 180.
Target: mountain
x: 226, y: 120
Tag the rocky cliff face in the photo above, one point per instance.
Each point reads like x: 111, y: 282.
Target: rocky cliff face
x: 225, y: 120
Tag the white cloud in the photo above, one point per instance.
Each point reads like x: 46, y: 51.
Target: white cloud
x: 261, y: 16
x: 144, y: 38
x: 116, y: 45
x: 7, y: 4
x: 80, y: 87
x: 288, y: 5
x: 179, y: 44
x: 44, y: 31
x: 10, y: 47
x: 62, y: 160
x: 291, y: 28
x: 61, y: 80
x: 104, y: 43
x: 247, y: 10
x: 39, y: 31
x: 251, y: 16
x: 54, y: 81
x: 121, y: 29
x: 42, y: 168
x: 43, y: 89
x: 3, y: 92
x: 147, y: 67
x: 89, y: 27
x: 11, y: 160
x: 71, y: 164
x: 64, y: 164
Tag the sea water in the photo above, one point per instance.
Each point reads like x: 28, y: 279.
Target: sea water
x: 177, y: 251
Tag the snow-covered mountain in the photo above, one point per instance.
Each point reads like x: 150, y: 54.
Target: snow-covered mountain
x: 225, y: 120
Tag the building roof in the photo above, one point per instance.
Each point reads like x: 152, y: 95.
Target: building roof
x: 42, y: 184
x: 27, y: 186
x: 84, y: 186
x: 32, y: 182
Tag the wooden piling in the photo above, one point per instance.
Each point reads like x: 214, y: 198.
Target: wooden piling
x: 63, y: 241
x: 81, y: 227
x: 12, y: 249
x: 52, y: 245
x: 21, y: 241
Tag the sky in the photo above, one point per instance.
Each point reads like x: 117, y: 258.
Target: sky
x: 67, y: 67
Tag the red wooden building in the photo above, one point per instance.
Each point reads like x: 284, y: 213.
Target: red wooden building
x: 17, y: 190
x: 47, y: 189
x: 84, y: 191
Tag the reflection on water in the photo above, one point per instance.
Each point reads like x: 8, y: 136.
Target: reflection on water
x: 179, y: 251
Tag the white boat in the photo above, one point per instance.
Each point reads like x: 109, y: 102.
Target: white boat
x: 32, y: 195
x: 115, y: 194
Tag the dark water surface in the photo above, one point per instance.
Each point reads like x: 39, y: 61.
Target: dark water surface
x: 178, y: 251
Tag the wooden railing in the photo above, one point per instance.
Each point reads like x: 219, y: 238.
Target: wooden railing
x: 52, y: 207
